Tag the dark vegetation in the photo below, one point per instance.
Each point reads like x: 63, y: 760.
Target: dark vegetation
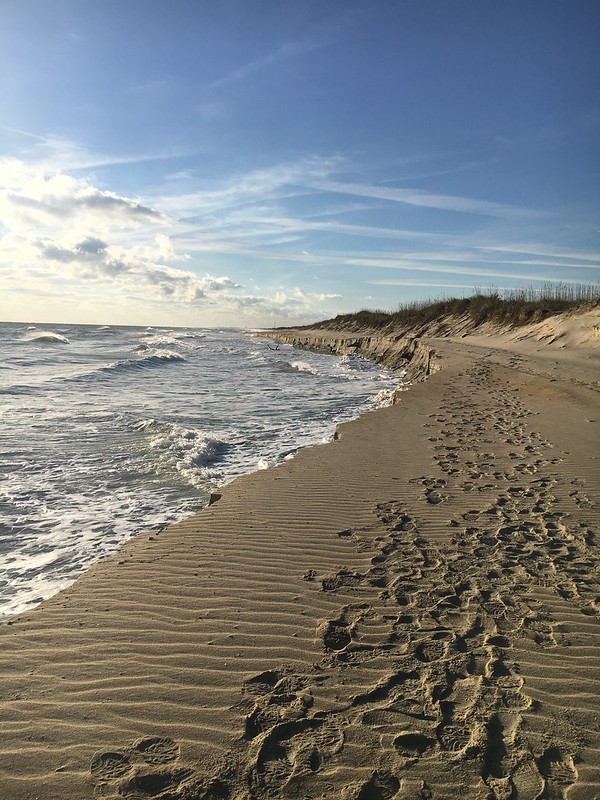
x: 513, y: 307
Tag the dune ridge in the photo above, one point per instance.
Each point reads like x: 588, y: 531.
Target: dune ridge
x: 411, y: 347
x: 408, y: 612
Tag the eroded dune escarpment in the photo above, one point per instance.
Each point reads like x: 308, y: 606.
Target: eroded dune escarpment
x: 411, y: 347
x: 407, y: 353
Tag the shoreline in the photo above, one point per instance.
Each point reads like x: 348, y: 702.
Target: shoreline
x: 191, y: 449
x: 410, y: 608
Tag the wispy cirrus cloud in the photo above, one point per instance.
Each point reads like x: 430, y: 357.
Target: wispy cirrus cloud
x: 542, y: 250
x: 262, y: 230
x: 52, y: 154
x: 283, y: 52
x: 424, y: 199
x: 453, y: 269
x: 434, y: 265
x: 276, y: 182
x: 433, y: 284
x: 316, y: 175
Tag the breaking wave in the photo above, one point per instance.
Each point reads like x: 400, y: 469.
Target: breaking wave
x: 36, y: 335
x: 154, y: 359
x: 295, y: 366
x: 191, y: 452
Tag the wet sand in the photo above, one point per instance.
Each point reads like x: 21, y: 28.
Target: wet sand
x: 408, y: 612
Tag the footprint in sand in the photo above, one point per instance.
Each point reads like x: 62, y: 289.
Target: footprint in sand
x: 558, y: 772
x: 107, y: 767
x: 431, y: 651
x: 338, y: 633
x: 145, y: 769
x: 386, y: 689
x: 433, y: 486
x: 342, y: 578
x: 382, y: 785
x: 263, y: 682
x: 278, y: 698
x: 293, y: 750
x: 411, y: 744
x: 154, y: 783
x: 156, y: 750
x: 433, y: 497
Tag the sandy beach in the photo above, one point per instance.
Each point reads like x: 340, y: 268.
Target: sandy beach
x: 408, y: 612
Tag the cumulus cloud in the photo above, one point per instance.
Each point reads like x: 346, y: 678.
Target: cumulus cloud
x: 293, y: 304
x: 70, y: 229
x: 299, y: 297
x: 139, y: 269
x: 60, y: 231
x: 88, y: 249
x: 92, y: 246
x: 28, y: 199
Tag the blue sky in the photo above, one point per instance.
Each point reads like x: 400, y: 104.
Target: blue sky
x: 250, y: 163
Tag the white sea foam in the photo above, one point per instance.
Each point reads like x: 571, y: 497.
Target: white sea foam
x: 143, y: 424
x: 163, y: 340
x: 190, y: 451
x: 384, y: 397
x: 302, y: 366
x: 190, y: 335
x: 36, y: 335
x: 295, y: 366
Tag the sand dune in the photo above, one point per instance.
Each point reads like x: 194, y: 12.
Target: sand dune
x: 408, y: 612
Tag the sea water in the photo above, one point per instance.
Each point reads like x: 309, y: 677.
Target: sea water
x: 107, y: 431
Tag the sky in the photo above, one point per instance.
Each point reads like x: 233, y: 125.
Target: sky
x: 269, y: 162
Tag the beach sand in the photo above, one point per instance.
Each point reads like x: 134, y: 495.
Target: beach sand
x: 408, y: 612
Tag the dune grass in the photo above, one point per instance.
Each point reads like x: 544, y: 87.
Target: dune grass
x: 513, y: 307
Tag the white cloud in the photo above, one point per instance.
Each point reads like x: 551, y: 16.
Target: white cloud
x: 69, y: 229
x: 250, y: 187
x: 283, y: 52
x: 301, y: 298
x: 418, y: 197
x: 408, y: 265
x: 545, y: 250
x: 180, y: 175
x: 170, y: 250
x: 62, y: 235
x: 53, y: 154
x: 31, y: 198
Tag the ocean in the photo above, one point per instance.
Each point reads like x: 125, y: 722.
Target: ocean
x: 107, y: 431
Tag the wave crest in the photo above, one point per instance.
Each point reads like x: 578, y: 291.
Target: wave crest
x: 295, y: 366
x: 153, y: 359
x: 36, y: 335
